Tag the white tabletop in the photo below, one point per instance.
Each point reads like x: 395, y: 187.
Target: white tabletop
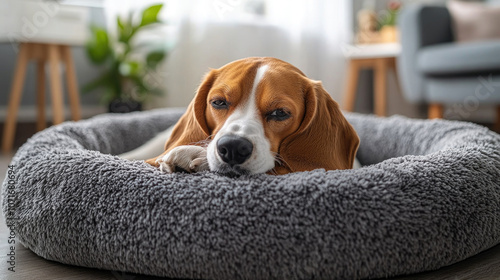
x: 43, y: 22
x: 367, y: 51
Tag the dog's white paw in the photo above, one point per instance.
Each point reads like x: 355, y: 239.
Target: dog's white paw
x: 189, y: 158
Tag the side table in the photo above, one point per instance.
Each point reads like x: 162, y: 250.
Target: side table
x: 51, y: 54
x: 380, y: 58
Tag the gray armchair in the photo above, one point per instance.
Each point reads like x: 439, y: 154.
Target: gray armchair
x: 435, y: 70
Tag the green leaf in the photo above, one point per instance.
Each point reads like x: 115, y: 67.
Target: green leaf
x: 98, y: 49
x: 125, y: 29
x: 154, y: 58
x: 120, y: 24
x: 139, y: 82
x: 150, y: 15
x: 122, y: 32
x: 129, y: 68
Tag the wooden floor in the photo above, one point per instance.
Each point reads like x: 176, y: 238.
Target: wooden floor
x: 486, y: 265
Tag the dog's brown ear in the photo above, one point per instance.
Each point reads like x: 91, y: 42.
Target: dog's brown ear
x: 192, y: 127
x: 324, y: 138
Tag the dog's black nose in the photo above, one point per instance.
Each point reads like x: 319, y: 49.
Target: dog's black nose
x: 233, y: 149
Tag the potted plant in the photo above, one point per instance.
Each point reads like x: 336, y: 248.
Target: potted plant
x: 388, y: 29
x: 126, y: 63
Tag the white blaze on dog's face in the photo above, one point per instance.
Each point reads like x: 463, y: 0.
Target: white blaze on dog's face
x: 241, y: 146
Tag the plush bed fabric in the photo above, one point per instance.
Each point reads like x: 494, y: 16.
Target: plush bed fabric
x: 429, y: 196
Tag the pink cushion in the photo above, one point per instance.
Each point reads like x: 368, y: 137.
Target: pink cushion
x: 474, y: 21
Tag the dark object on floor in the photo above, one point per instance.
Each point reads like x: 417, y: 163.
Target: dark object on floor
x: 122, y: 106
x: 429, y: 197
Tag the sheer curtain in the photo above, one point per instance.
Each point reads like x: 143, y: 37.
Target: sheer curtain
x: 209, y: 34
x: 318, y: 31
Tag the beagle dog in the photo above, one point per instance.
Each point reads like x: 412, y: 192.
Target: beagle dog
x: 259, y: 115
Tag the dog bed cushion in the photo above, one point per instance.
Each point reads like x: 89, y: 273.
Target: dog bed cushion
x: 428, y: 196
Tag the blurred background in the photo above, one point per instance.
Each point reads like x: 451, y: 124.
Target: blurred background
x: 168, y: 56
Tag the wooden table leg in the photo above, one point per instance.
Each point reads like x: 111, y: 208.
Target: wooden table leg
x: 74, y: 97
x: 380, y: 92
x: 394, y: 66
x: 351, y: 86
x: 435, y: 111
x: 41, y: 122
x: 55, y: 84
x: 496, y: 127
x: 16, y: 92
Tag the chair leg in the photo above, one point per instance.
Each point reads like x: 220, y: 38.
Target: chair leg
x: 9, y: 130
x: 393, y: 64
x: 496, y: 127
x: 74, y: 97
x: 55, y: 84
x: 435, y: 111
x: 380, y: 89
x: 41, y: 123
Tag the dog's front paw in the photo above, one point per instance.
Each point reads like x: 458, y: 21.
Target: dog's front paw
x: 188, y: 158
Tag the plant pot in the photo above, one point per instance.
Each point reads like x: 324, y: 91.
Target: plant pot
x: 122, y: 106
x: 389, y: 34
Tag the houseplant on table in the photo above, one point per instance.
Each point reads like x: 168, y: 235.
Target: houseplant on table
x: 387, y: 21
x: 126, y: 64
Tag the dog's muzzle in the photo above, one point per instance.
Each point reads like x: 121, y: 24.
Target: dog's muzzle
x: 233, y: 149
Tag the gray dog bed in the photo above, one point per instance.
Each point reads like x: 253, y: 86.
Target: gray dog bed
x: 428, y: 197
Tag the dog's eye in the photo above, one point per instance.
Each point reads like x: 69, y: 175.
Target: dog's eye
x: 278, y: 115
x: 219, y: 104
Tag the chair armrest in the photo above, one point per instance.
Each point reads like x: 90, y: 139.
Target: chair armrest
x: 420, y: 26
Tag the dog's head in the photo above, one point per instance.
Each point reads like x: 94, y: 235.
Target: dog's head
x: 264, y: 115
